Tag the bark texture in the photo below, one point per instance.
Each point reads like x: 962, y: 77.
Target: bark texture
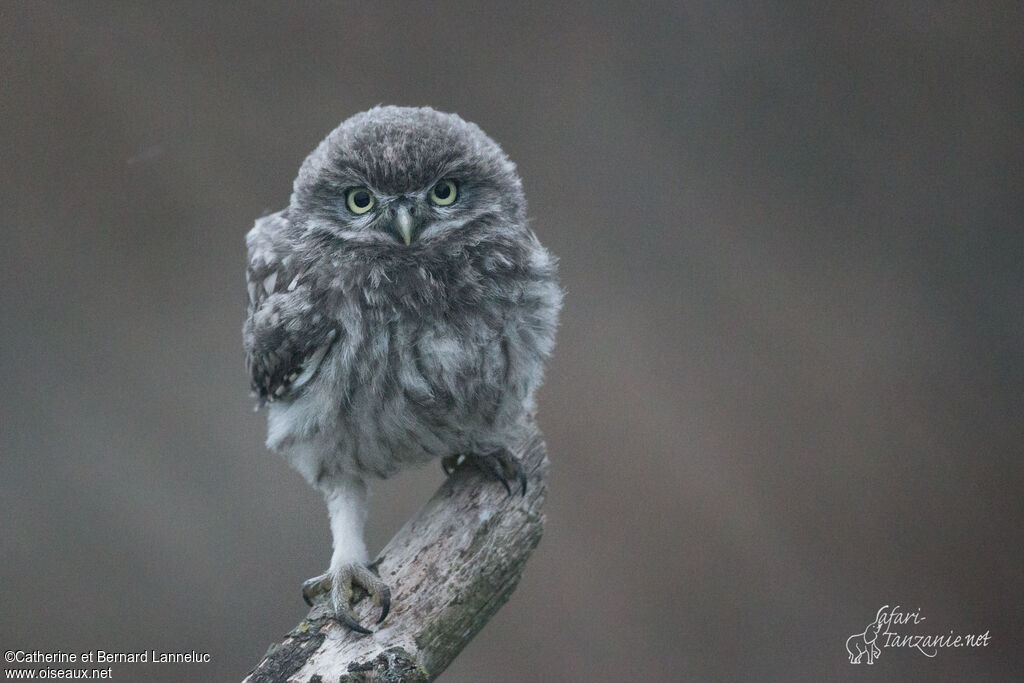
x: 450, y: 568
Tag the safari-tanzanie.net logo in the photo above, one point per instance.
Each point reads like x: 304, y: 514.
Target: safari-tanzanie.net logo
x: 895, y: 628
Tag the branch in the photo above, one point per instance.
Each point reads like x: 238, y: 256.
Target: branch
x: 450, y: 568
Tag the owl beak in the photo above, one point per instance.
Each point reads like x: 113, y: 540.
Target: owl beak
x: 403, y: 224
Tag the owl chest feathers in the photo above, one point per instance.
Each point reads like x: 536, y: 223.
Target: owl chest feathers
x: 419, y: 369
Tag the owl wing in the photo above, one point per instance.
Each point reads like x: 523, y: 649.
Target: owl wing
x: 285, y: 337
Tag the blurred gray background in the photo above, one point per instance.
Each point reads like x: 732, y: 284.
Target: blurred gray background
x: 788, y: 386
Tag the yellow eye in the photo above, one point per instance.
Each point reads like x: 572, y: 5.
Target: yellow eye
x: 359, y: 200
x: 443, y: 193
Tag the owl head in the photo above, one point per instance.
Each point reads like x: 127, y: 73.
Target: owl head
x: 406, y: 178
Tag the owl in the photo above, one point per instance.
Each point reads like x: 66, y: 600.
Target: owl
x: 400, y: 310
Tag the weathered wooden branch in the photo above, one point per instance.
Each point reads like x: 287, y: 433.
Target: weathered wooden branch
x: 450, y: 568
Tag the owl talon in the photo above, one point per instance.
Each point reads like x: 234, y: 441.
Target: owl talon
x: 450, y: 463
x: 503, y: 466
x: 345, y: 617
x: 344, y: 584
x: 315, y: 587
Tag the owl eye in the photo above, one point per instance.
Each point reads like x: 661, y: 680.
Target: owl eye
x: 359, y: 200
x: 443, y: 193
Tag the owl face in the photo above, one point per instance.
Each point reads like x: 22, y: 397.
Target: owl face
x: 404, y: 178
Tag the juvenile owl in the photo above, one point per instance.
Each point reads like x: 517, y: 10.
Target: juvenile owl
x: 400, y: 309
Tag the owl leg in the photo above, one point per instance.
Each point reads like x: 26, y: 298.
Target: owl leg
x: 349, y: 577
x: 499, y: 464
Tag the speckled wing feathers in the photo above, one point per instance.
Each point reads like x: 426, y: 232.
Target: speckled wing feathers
x: 284, y: 338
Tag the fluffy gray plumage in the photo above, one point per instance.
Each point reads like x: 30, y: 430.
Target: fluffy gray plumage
x: 386, y: 335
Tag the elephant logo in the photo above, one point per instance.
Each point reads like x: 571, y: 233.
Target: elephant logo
x: 860, y: 644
